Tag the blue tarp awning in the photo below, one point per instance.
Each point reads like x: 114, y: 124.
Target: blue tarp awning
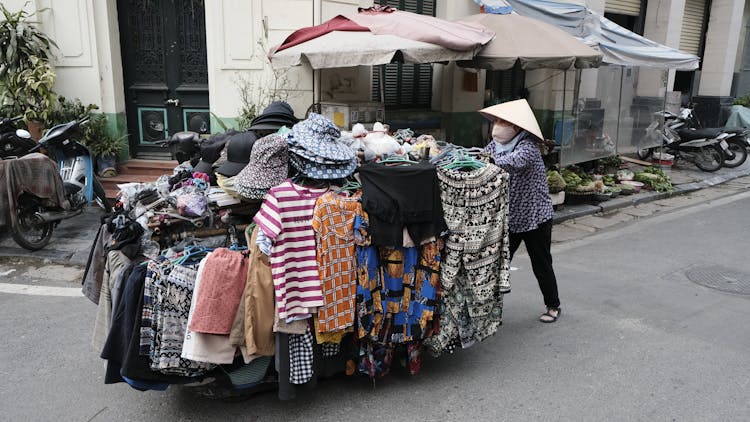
x: 617, y: 44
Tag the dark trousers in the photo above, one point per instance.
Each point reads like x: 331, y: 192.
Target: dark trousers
x: 538, y: 242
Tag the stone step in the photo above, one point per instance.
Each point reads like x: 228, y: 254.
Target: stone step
x: 147, y: 167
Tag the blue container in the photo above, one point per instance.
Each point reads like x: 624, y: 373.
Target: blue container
x: 563, y: 137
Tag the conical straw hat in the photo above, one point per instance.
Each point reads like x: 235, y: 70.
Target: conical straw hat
x: 517, y: 112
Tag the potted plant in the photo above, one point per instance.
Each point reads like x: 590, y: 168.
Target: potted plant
x: 26, y: 76
x: 103, y: 146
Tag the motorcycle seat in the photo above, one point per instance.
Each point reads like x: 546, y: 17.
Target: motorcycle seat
x: 691, y: 134
x: 731, y: 129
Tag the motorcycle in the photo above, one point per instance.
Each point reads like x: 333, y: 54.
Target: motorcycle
x: 14, y: 142
x: 33, y: 223
x: 703, y: 147
x: 738, y: 142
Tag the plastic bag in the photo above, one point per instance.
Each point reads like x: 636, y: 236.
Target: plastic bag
x: 192, y: 204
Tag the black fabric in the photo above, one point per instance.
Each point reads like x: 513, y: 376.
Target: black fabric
x: 538, y: 242
x: 135, y: 366
x: 211, y: 152
x: 123, y: 320
x: 398, y: 196
x: 239, y: 148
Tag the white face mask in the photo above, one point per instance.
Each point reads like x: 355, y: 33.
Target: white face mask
x: 503, y: 133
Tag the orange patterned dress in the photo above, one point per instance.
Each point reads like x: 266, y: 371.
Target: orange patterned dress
x: 333, y: 223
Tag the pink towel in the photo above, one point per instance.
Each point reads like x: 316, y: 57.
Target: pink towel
x: 222, y: 283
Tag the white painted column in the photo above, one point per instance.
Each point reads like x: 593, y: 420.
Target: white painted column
x: 663, y: 25
x: 106, y: 28
x: 720, y: 54
x: 448, y: 94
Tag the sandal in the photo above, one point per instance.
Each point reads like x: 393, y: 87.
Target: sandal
x: 550, y: 316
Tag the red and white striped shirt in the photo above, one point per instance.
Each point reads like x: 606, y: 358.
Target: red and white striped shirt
x: 286, y: 219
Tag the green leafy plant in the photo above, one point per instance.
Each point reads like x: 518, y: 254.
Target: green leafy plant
x: 26, y: 77
x: 97, y: 137
x: 68, y: 110
x: 743, y: 100
x: 28, y: 91
x: 19, y: 41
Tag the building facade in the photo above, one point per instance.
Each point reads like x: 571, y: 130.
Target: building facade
x: 156, y: 67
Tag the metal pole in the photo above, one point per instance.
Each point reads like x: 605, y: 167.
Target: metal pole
x: 619, y: 110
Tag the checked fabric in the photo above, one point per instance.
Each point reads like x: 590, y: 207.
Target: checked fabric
x: 333, y: 223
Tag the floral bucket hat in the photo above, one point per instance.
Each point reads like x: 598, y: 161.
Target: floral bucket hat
x: 268, y: 167
x: 319, y: 137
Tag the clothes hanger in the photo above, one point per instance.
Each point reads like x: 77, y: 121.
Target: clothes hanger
x: 397, y: 159
x: 462, y: 160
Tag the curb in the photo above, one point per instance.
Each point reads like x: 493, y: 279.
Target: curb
x: 577, y: 211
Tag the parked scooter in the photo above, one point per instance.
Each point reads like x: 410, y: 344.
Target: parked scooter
x: 704, y: 148
x: 738, y: 141
x: 14, y: 142
x: 33, y: 223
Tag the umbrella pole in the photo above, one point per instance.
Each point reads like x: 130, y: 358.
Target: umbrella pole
x: 381, y: 77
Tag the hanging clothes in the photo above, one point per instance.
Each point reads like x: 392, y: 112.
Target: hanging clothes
x: 398, y: 196
x: 223, y: 282
x: 259, y: 301
x: 333, y: 223
x: 397, y: 296
x: 116, y: 270
x: 123, y: 322
x: 286, y: 218
x: 475, y: 272
x: 168, y: 292
x: 136, y: 368
x: 204, y: 347
x: 92, y: 280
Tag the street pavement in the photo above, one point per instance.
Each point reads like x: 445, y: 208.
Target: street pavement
x: 637, y: 339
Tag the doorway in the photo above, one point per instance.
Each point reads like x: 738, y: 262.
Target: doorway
x: 165, y: 71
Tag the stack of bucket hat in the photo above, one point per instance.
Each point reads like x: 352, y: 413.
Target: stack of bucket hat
x: 316, y: 151
x: 276, y: 115
x: 268, y: 167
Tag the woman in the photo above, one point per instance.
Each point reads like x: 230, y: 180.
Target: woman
x: 514, y: 147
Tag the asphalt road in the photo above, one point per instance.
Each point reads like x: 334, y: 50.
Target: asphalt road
x: 636, y: 341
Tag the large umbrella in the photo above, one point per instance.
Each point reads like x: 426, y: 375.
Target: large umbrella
x: 379, y: 37
x: 531, y: 43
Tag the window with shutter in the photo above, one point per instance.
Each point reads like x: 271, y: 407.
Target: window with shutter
x: 623, y: 7
x: 406, y: 85
x: 693, y: 22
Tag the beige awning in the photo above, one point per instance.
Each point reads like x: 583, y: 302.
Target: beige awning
x: 530, y: 42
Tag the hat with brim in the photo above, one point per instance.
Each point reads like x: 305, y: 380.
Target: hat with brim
x: 238, y: 149
x: 321, y: 171
x: 276, y: 115
x: 319, y: 136
x: 517, y: 112
x: 268, y: 167
x: 204, y: 167
x: 210, y: 153
x: 271, y: 122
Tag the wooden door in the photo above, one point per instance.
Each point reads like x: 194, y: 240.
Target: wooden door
x: 165, y: 70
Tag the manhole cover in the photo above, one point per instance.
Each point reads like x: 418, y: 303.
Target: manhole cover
x: 720, y: 278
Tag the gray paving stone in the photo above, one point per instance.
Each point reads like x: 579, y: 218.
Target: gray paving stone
x: 566, y: 232
x: 603, y: 221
